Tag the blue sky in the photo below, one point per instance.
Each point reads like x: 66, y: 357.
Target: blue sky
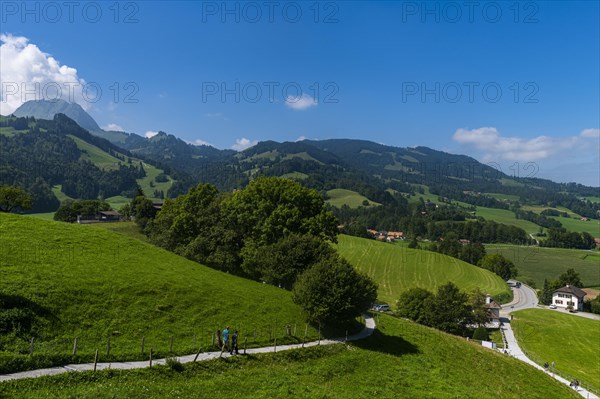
x: 504, y: 82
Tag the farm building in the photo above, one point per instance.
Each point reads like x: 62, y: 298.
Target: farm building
x: 109, y: 216
x: 493, y: 309
x: 568, y: 296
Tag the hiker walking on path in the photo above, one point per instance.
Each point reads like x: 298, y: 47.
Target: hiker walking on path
x: 234, y: 343
x: 226, y: 337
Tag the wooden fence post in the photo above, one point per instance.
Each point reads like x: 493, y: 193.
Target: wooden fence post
x: 295, y: 330
x: 108, y: 347
x: 319, y: 333
x: 150, y: 356
x: 305, y: 332
x: 275, y: 350
x: 254, y: 334
x: 75, y: 347
x: 346, y: 338
x: 96, y: 359
x: 198, y: 354
x: 31, y: 346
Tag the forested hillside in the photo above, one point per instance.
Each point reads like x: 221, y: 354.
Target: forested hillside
x: 38, y: 155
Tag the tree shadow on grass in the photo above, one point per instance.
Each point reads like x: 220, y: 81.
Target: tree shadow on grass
x: 21, y: 315
x: 390, y: 344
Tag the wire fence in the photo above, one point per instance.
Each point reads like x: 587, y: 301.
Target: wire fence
x: 116, y: 346
x: 553, y: 370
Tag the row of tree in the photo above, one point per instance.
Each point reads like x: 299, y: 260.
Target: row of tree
x: 562, y: 238
x: 539, y: 219
x: 448, y: 309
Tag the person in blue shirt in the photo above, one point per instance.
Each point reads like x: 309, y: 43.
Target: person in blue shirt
x: 226, y: 337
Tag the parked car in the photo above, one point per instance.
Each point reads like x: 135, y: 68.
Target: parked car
x: 553, y: 306
x: 383, y: 308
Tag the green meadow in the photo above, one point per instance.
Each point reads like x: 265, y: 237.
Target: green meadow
x: 60, y: 281
x: 397, y: 268
x: 507, y: 217
x: 571, y: 342
x: 95, y: 155
x: 400, y: 360
x: 340, y: 196
x: 538, y: 263
x: 591, y: 226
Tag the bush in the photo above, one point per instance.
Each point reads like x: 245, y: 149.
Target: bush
x: 595, y: 305
x: 161, y: 178
x: 481, y: 334
x: 412, y: 302
x: 333, y: 291
x: 174, y: 364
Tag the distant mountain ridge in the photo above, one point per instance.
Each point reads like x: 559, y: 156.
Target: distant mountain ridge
x: 44, y: 109
x: 359, y: 165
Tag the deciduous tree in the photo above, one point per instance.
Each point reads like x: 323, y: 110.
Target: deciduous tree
x: 14, y: 198
x: 333, y: 291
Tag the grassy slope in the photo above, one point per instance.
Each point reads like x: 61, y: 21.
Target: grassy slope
x: 45, y: 215
x: 107, y: 161
x: 580, y: 226
x: 497, y: 215
x: 95, y: 155
x: 117, y: 202
x: 151, y: 173
x: 540, y: 263
x: 91, y: 283
x: 59, y: 194
x: 340, y: 196
x: 506, y: 217
x: 539, y: 209
x: 569, y: 341
x: 402, y: 360
x: 397, y: 268
x: 126, y: 228
x: 504, y: 196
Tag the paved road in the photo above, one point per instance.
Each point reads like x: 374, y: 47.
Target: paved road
x: 366, y: 332
x: 525, y: 298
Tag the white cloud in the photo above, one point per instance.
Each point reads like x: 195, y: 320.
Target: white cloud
x: 495, y: 147
x: 301, y: 138
x: 593, y: 133
x: 243, y: 143
x: 113, y: 126
x: 300, y: 103
x: 27, y: 73
x: 149, y: 134
x: 199, y: 142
